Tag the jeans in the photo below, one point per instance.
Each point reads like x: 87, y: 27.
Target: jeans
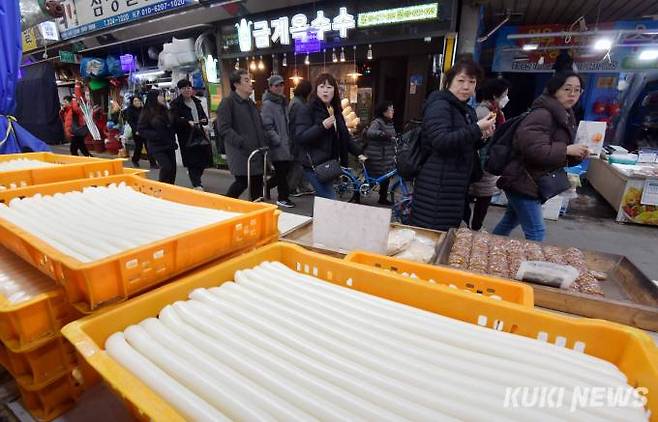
x: 241, y: 183
x: 526, y: 211
x: 195, y: 175
x: 167, y: 162
x: 280, y: 179
x: 323, y: 190
x: 475, y: 219
x: 78, y: 144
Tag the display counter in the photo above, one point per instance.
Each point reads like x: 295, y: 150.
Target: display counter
x: 632, y: 190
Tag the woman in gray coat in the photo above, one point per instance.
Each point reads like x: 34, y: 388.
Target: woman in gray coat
x: 380, y: 147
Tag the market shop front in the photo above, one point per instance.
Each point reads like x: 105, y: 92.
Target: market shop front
x: 618, y: 107
x: 378, y: 50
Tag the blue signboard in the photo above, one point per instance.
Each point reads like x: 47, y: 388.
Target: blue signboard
x: 116, y: 13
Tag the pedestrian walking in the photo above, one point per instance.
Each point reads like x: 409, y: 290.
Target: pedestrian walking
x: 296, y: 180
x: 542, y: 147
x: 322, y: 137
x: 131, y: 116
x: 274, y: 113
x: 492, y: 97
x: 190, y: 130
x: 241, y: 129
x: 380, y: 147
x: 451, y: 136
x: 157, y: 126
x: 75, y: 129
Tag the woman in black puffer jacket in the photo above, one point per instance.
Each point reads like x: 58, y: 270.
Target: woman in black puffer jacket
x: 451, y: 137
x: 158, y: 126
x: 321, y: 133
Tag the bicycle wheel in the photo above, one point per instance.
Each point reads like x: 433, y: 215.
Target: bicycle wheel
x: 344, y: 186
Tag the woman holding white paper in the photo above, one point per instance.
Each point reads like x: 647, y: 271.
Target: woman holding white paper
x: 543, y: 145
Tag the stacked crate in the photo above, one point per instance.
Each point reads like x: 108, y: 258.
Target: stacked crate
x: 33, y: 309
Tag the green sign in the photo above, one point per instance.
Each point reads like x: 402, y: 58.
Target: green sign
x: 398, y: 15
x: 69, y: 57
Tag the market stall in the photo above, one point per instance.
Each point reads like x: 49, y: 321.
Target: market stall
x: 631, y: 189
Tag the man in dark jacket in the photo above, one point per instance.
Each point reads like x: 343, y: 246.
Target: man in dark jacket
x: 296, y: 180
x: 195, y: 146
x: 274, y: 114
x: 241, y: 129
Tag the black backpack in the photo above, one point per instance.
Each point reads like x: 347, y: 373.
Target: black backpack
x: 500, y: 149
x: 410, y: 157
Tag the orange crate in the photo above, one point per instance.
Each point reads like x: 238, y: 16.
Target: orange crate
x: 52, y: 400
x: 25, y: 325
x: 39, y: 367
x: 632, y: 350
x: 68, y: 167
x: 485, y: 285
x: 89, y: 285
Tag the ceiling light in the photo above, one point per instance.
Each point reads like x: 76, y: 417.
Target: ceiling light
x: 307, y: 60
x: 649, y: 55
x: 530, y: 47
x: 334, y: 58
x: 369, y: 54
x: 261, y: 64
x: 252, y: 65
x: 603, y: 44
x: 285, y: 60
x: 342, y: 54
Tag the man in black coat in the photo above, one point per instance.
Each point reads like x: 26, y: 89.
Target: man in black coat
x: 241, y: 128
x: 192, y: 138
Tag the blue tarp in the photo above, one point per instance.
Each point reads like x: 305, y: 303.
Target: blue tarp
x: 13, y: 138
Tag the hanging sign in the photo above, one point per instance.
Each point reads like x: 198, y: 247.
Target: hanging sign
x: 510, y: 56
x: 29, y: 39
x: 398, y: 15
x: 85, y: 16
x: 263, y: 34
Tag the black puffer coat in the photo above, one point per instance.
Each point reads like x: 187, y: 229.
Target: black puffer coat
x: 380, y: 148
x: 450, y: 140
x: 316, y: 142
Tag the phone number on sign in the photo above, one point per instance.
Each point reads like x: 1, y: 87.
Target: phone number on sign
x: 161, y: 7
x: 125, y: 17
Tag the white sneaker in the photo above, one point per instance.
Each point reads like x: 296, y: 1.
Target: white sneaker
x: 199, y: 188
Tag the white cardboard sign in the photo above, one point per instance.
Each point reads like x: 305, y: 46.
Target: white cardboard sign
x: 347, y: 227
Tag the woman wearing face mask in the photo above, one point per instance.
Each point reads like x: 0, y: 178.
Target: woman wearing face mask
x: 543, y: 144
x: 450, y: 138
x: 492, y: 98
x: 321, y: 134
x: 157, y: 125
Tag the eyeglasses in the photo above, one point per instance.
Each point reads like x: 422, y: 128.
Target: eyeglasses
x: 576, y: 91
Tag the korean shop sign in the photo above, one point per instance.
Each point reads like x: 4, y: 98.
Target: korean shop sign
x: 282, y: 30
x: 398, y: 15
x: 85, y: 16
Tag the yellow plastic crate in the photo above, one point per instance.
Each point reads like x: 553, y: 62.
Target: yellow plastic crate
x: 69, y: 167
x: 479, y: 284
x: 52, y: 400
x: 89, y: 285
x: 28, y: 324
x: 41, y: 366
x: 630, y: 349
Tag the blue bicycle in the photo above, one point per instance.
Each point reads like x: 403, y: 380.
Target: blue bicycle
x: 349, y: 183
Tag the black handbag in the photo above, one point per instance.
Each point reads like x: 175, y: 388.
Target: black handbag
x: 553, y: 184
x: 197, y: 139
x: 327, y: 171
